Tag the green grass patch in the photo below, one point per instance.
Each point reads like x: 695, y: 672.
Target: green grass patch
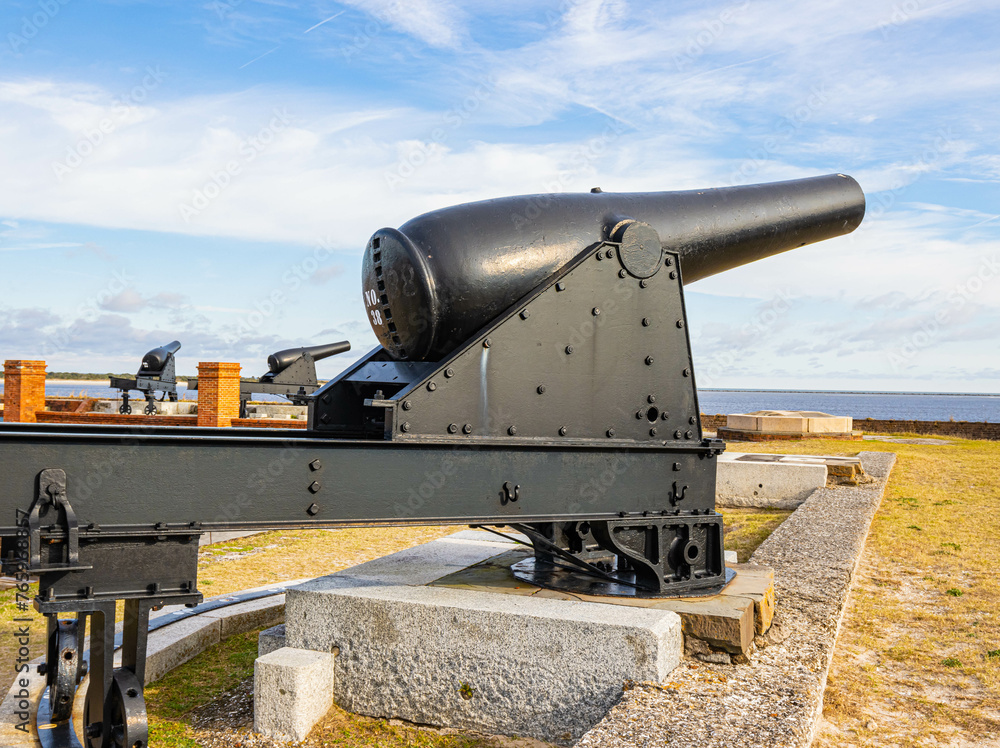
x: 746, y: 529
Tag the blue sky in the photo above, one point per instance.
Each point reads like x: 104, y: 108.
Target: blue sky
x: 211, y: 171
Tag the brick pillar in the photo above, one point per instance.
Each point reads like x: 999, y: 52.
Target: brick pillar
x: 218, y: 393
x: 23, y: 390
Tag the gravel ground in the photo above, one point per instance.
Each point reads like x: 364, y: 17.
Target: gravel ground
x: 775, y: 699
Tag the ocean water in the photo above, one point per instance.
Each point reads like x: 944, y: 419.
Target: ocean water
x: 880, y: 405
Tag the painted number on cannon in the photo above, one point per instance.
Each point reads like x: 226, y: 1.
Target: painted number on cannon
x: 371, y: 300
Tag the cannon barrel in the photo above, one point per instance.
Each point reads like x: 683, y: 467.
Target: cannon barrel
x: 278, y: 362
x: 157, y: 358
x: 443, y: 275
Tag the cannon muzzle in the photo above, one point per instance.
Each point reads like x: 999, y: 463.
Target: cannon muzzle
x: 157, y: 358
x: 278, y: 362
x: 443, y: 275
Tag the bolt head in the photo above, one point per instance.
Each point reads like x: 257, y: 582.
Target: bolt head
x: 609, y: 253
x: 540, y: 389
x: 688, y: 434
x: 611, y: 432
x: 692, y: 420
x: 646, y: 322
x: 673, y: 275
x: 512, y: 430
x: 405, y: 427
x: 652, y: 431
x: 677, y: 466
x: 643, y: 283
x: 680, y: 323
x: 563, y: 431
x: 525, y: 314
x: 452, y: 428
x: 407, y: 405
x: 600, y: 254
x: 622, y: 273
x: 487, y: 343
x: 664, y: 415
x: 449, y: 372
x: 595, y: 311
x: 315, y: 465
x: 560, y: 286
x: 677, y: 434
x: 569, y: 349
x: 431, y: 386
x: 313, y: 510
x: 315, y: 486
x: 649, y: 360
x: 669, y: 261
x: 651, y: 399
x: 467, y: 428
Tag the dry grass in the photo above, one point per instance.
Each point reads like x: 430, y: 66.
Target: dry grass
x: 918, y: 658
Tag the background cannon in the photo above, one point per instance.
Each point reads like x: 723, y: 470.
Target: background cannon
x: 157, y: 373
x: 291, y: 373
x: 536, y: 367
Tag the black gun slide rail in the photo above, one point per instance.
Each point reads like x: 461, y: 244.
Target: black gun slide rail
x: 26, y: 712
x: 526, y: 344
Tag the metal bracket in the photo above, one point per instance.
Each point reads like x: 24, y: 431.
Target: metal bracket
x: 52, y: 494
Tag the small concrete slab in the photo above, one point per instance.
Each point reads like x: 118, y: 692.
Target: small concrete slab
x: 771, y: 483
x: 292, y: 690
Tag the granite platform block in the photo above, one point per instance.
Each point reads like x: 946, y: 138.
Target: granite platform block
x: 497, y: 663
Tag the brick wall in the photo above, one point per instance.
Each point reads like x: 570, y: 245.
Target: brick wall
x: 963, y: 429
x: 269, y: 423
x: 218, y: 393
x: 115, y: 419
x: 23, y: 390
x: 713, y: 423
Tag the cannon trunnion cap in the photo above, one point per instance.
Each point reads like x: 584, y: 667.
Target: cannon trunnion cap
x: 394, y: 269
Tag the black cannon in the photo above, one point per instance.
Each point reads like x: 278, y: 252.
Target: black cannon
x: 534, y: 357
x: 157, y: 373
x: 291, y: 374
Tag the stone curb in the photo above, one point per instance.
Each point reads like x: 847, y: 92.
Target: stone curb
x: 776, y: 699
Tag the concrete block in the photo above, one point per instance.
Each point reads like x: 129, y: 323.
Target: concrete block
x: 270, y: 639
x: 461, y: 658
x: 831, y: 425
x: 742, y: 421
x: 292, y: 690
x: 778, y: 485
x: 783, y: 424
